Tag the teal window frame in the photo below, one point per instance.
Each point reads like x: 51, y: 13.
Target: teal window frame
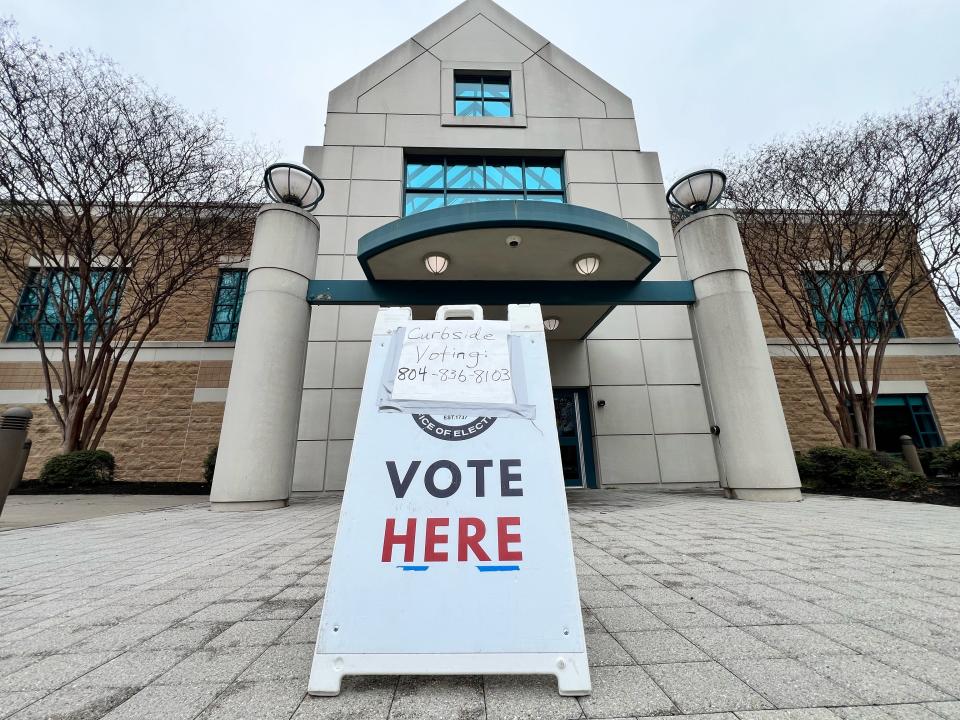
x: 449, y: 189
x: 483, y: 100
x: 876, y: 310
x: 41, y: 296
x: 925, y: 431
x: 227, y: 303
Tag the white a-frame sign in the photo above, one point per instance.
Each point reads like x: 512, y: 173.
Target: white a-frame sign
x: 453, y: 553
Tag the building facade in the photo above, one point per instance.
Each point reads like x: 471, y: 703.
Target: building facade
x: 478, y: 107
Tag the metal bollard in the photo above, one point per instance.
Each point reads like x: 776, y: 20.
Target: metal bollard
x: 910, y: 454
x: 24, y: 456
x: 14, y: 424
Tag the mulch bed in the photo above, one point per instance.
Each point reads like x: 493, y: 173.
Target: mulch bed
x: 944, y: 492
x: 117, y: 487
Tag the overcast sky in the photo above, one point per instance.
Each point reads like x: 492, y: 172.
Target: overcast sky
x: 706, y: 78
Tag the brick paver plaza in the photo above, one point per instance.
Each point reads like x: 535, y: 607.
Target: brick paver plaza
x: 693, y: 604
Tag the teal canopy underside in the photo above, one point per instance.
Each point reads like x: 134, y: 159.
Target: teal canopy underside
x: 515, y: 214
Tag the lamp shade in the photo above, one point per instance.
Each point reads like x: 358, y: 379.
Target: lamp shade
x: 551, y: 323
x: 697, y: 191
x: 293, y: 185
x: 587, y: 264
x: 436, y: 263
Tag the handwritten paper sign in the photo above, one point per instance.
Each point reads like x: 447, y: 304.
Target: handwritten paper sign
x: 461, y: 361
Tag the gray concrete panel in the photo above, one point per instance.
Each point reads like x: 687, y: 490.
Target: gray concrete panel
x: 626, y: 410
x: 550, y: 93
x: 627, y: 459
x: 615, y: 362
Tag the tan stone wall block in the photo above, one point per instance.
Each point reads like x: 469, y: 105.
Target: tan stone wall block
x: 214, y: 374
x: 809, y: 427
x: 157, y: 433
x: 942, y: 375
x: 187, y: 315
x: 203, y: 433
x: 21, y: 376
x: 805, y: 419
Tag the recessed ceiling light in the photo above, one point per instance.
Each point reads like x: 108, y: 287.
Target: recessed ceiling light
x: 436, y: 263
x: 587, y: 264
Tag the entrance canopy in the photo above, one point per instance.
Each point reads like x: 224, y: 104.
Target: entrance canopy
x: 474, y: 237
x: 502, y: 252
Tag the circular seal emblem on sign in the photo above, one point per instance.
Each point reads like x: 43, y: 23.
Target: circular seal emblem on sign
x: 453, y: 427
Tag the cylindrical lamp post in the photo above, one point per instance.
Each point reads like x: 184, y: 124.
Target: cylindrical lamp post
x: 258, y: 437
x: 757, y: 461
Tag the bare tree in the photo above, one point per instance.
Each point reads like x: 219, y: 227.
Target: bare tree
x: 934, y: 130
x: 114, y: 200
x: 843, y: 229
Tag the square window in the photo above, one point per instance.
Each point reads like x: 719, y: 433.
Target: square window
x: 482, y: 95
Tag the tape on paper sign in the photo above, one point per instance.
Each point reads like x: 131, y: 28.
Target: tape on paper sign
x: 462, y: 361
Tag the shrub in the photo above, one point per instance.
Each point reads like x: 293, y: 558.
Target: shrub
x: 209, y: 465
x: 83, y: 468
x: 848, y: 471
x: 926, y: 456
x: 945, y: 460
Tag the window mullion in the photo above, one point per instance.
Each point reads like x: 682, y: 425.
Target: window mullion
x: 913, y: 419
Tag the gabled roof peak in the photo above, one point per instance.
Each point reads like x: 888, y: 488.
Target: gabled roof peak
x: 469, y: 9
x: 497, y: 30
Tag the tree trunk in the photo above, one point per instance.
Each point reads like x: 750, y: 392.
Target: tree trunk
x: 73, y: 428
x: 859, y: 425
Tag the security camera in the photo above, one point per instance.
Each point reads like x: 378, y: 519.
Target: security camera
x: 514, y: 241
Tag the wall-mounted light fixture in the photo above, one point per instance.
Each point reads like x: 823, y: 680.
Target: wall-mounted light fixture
x: 587, y: 264
x: 697, y: 191
x: 436, y: 263
x: 293, y: 185
x: 551, y: 323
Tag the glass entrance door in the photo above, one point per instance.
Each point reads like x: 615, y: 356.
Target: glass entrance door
x: 573, y: 430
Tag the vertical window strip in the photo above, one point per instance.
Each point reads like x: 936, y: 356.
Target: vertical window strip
x: 923, y: 420
x: 227, y: 303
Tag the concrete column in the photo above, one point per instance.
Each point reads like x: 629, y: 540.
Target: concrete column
x: 259, y: 434
x: 756, y: 457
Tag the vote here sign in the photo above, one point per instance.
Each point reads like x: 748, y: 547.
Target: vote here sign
x: 453, y: 553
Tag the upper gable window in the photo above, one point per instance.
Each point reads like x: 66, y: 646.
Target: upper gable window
x: 482, y: 95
